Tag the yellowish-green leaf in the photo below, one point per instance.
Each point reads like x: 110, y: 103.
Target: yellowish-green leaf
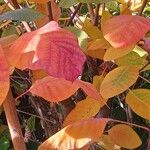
x: 131, y: 59
x: 113, y: 53
x: 91, y: 30
x: 141, y: 52
x: 124, y: 136
x: 118, y: 80
x: 139, y: 101
x: 76, y: 135
x: 97, y: 48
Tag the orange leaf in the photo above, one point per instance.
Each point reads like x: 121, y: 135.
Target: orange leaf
x: 124, y: 136
x: 124, y: 30
x: 50, y: 48
x: 4, y: 77
x: 53, y: 89
x: 76, y: 135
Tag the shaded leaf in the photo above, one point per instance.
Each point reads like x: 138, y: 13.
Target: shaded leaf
x: 124, y: 136
x: 139, y: 102
x: 70, y: 137
x: 118, y: 80
x: 125, y: 30
x: 50, y: 48
x: 23, y: 14
x: 31, y: 123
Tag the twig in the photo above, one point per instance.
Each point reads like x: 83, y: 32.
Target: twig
x: 13, y: 123
x: 144, y: 66
x: 91, y: 12
x: 142, y: 7
x: 74, y: 13
x: 144, y: 79
x: 96, y: 21
x: 50, y: 13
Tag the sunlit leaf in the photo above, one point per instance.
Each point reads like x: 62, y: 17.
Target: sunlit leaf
x: 4, y: 77
x: 118, y: 80
x: 113, y: 53
x: 84, y: 109
x: 124, y: 136
x: 76, y: 135
x: 50, y: 48
x: 139, y: 102
x: 125, y: 30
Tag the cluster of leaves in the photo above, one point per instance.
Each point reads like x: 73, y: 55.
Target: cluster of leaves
x: 56, y: 59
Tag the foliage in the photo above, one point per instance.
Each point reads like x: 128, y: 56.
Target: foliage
x: 79, y: 75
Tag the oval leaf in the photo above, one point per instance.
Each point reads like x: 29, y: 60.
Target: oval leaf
x: 50, y: 48
x: 139, y: 102
x: 124, y: 136
x: 118, y: 80
x: 124, y: 30
x: 71, y: 138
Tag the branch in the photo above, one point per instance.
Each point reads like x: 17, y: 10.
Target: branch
x: 91, y: 12
x: 49, y: 9
x: 13, y: 122
x: 142, y: 7
x: 96, y: 21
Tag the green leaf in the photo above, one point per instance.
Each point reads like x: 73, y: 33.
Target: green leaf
x: 82, y: 36
x: 24, y: 14
x: 4, y: 143
x: 31, y: 123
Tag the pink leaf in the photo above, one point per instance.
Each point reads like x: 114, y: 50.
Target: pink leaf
x: 124, y: 30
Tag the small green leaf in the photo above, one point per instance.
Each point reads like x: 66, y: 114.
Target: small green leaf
x: 31, y: 123
x: 24, y: 14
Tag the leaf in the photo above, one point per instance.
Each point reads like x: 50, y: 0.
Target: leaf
x: 23, y: 14
x: 50, y: 48
x: 91, y: 30
x: 139, y: 102
x: 125, y: 30
x: 4, y: 77
x: 113, y: 53
x: 97, y: 48
x: 53, y: 89
x: 43, y: 8
x: 84, y: 109
x: 124, y: 136
x: 70, y: 137
x: 82, y: 36
x: 105, y: 16
x: 67, y: 4
x: 39, y: 1
x: 131, y: 59
x: 118, y: 80
x: 31, y: 123
x: 58, y: 89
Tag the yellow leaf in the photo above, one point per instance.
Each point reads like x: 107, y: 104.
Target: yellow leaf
x: 131, y: 59
x: 84, y: 109
x: 105, y: 16
x: 118, y: 80
x: 139, y: 101
x: 124, y: 136
x: 92, y: 31
x: 76, y: 135
x: 113, y: 53
x: 107, y: 144
x: 97, y: 48
x: 97, y: 80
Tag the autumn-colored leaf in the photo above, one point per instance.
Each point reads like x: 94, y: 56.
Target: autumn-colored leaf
x: 105, y: 16
x: 42, y: 7
x: 124, y: 136
x: 97, y: 48
x: 84, y: 109
x: 4, y: 77
x: 113, y: 53
x: 139, y: 102
x: 40, y: 1
x: 76, y: 135
x: 53, y: 89
x: 49, y: 48
x: 118, y: 80
x: 125, y: 30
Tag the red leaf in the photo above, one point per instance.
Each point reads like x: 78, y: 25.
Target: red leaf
x: 4, y: 77
x: 76, y: 135
x: 50, y: 48
x: 124, y: 30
